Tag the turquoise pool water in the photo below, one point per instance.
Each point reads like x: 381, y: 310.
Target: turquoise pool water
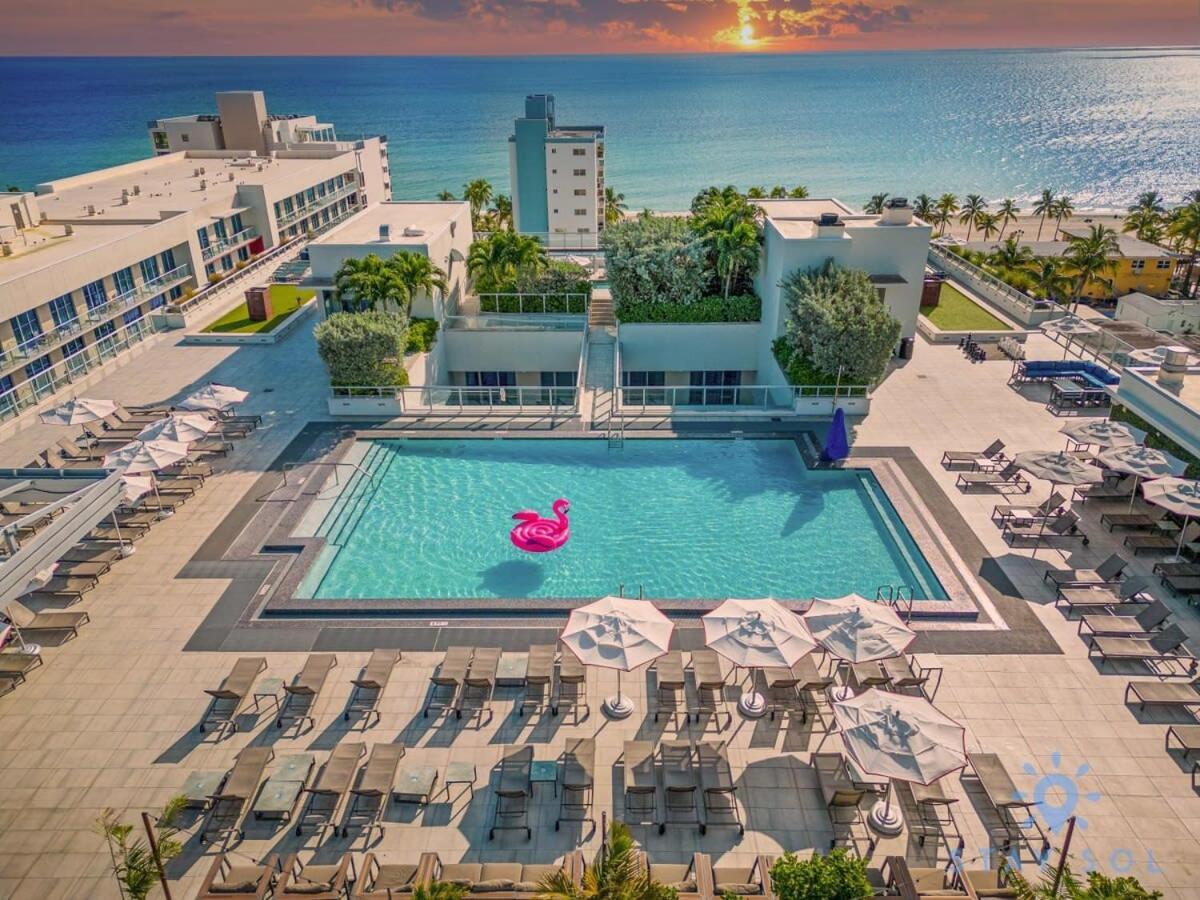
x: 681, y: 519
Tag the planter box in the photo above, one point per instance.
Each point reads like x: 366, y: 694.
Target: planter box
x: 824, y: 407
x: 282, y: 330
x: 374, y: 407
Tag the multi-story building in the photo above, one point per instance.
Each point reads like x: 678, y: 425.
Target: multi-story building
x: 241, y: 123
x: 87, y: 261
x: 557, y: 176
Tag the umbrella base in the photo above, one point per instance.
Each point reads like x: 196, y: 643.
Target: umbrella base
x: 617, y: 707
x: 127, y: 550
x: 752, y: 705
x: 885, y: 819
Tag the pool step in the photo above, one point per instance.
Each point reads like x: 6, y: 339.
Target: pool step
x: 354, y: 498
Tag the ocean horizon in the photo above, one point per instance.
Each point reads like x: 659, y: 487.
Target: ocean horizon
x: 1100, y: 125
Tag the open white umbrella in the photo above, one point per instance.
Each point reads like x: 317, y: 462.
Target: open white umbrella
x: 1104, y: 433
x: 79, y: 411
x: 902, y: 737
x: 756, y: 634
x: 1069, y: 326
x: 182, y: 427
x: 1141, y: 463
x: 854, y: 629
x: 136, y: 487
x: 1178, y: 495
x: 214, y: 396
x: 147, y: 456
x: 1056, y: 467
x: 617, y: 633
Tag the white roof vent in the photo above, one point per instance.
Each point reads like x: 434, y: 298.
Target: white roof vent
x: 414, y: 232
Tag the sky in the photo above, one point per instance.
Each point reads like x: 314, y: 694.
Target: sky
x: 518, y: 27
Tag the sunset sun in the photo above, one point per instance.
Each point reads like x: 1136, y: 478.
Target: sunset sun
x: 746, y: 35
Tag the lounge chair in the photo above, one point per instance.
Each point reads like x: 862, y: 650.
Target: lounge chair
x: 384, y: 881
x: 539, y: 679
x: 1108, y: 572
x: 71, y: 450
x: 577, y: 782
x: 334, y: 780
x: 934, y: 810
x: 1184, y: 695
x: 229, y: 699
x: 690, y: 881
x: 445, y: 682
x: 513, y: 790
x: 300, y: 697
x: 1009, y: 476
x: 1127, y: 521
x: 783, y: 688
x: 842, y: 798
x: 1037, y: 532
x: 1004, y: 512
x: 73, y: 586
x: 495, y: 880
x: 1103, y: 597
x: 27, y: 620
x: 479, y: 684
x: 1006, y: 800
x: 670, y: 694
x: 1187, y: 737
x: 641, y: 783
x: 570, y: 687
x: 82, y: 569
x: 718, y: 789
x: 241, y: 879
x: 370, y: 684
x: 24, y: 508
x: 753, y: 880
x: 374, y: 788
x: 86, y: 551
x: 14, y: 662
x: 316, y: 882
x: 679, y: 780
x: 233, y: 798
x: 1159, y: 543
x: 905, y: 672
x: 710, y: 686
x: 107, y: 531
x: 971, y: 458
x: 1166, y: 646
x: 9, y: 681
x: 1118, y: 489
x: 1184, y: 586
x: 1177, y: 569
x: 1141, y: 623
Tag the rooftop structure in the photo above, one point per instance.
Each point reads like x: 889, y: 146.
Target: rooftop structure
x: 1161, y: 314
x: 242, y: 123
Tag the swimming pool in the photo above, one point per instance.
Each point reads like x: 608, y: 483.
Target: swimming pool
x: 677, y: 518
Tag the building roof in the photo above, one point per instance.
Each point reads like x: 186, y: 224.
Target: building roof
x: 424, y: 220
x: 47, y: 245
x: 807, y: 208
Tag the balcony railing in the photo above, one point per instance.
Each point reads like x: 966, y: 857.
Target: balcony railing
x: 303, y: 212
x: 143, y: 291
x: 449, y: 400
x: 534, y: 304
x: 232, y: 242
x: 731, y: 398
x: 555, y: 240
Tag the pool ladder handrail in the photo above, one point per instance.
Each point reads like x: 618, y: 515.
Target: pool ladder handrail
x: 616, y: 435
x: 899, y: 597
x: 291, y: 466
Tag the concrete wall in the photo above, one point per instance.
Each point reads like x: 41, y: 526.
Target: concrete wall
x: 690, y: 347
x: 1175, y: 418
x: 562, y: 182
x: 243, y: 118
x: 511, y: 351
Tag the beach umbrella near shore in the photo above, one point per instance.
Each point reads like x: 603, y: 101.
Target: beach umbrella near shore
x: 1178, y: 495
x: 1142, y: 463
x: 1103, y: 433
x: 79, y: 411
x: 617, y: 633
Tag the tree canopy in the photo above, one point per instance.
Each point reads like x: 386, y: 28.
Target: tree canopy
x: 363, y: 349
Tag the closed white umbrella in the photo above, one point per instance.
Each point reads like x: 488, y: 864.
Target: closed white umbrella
x: 1142, y: 463
x: 1178, y: 495
x: 617, y: 633
x: 147, y: 456
x: 902, y: 737
x: 136, y: 487
x: 214, y: 396
x: 79, y: 411
x: 1104, y: 433
x: 182, y: 427
x: 755, y: 634
x: 1069, y: 326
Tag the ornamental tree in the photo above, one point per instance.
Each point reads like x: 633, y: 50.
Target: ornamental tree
x: 363, y: 349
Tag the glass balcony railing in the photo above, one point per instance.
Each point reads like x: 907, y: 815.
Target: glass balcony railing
x: 223, y: 246
x: 143, y: 291
x: 317, y: 205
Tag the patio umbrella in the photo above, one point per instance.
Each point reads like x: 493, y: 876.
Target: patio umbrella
x: 902, y: 737
x: 755, y: 634
x: 617, y: 633
x: 147, y: 456
x: 1178, y: 495
x: 79, y: 411
x: 1141, y: 462
x: 136, y: 487
x: 854, y: 629
x: 213, y: 396
x: 182, y: 427
x: 1069, y: 326
x: 1058, y: 468
x: 1104, y: 433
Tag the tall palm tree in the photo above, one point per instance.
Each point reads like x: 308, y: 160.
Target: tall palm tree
x: 1063, y: 208
x: 479, y: 194
x: 1185, y: 229
x: 1091, y: 257
x: 418, y: 273
x: 778, y: 191
x: 614, y: 206
x: 1042, y: 208
x: 736, y: 249
x: 799, y: 192
x: 446, y: 195
x: 1048, y: 279
x: 1148, y: 202
x: 757, y: 192
x: 875, y: 205
x: 371, y: 283
x: 988, y: 224
x: 615, y: 874
x: 1146, y: 224
x: 923, y: 208
x: 502, y: 211
x: 1008, y: 212
x: 1011, y: 254
x: 972, y: 207
x: 496, y: 261
x: 947, y: 206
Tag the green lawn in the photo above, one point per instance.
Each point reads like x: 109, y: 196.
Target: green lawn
x: 285, y: 300
x: 958, y: 312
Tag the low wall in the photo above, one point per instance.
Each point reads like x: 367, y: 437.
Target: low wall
x: 286, y: 327
x: 687, y: 346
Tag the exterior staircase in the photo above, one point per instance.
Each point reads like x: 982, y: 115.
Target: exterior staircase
x: 600, y: 311
x: 599, y: 375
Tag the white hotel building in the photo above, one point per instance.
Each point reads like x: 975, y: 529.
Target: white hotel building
x: 89, y: 264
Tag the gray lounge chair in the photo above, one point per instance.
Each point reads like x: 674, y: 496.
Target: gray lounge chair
x: 316, y: 881
x: 710, y: 687
x: 1009, y: 476
x: 479, y: 684
x: 385, y: 881
x: 14, y: 662
x: 1108, y: 572
x: 577, y: 781
x: 1159, y: 543
x: 229, y: 699
x: 89, y: 552
x: 1166, y: 646
x: 233, y: 798
x: 1103, y: 597
x: 447, y: 680
x: 1142, y: 623
x: 334, y: 780
x: 934, y: 810
x: 300, y: 697
x: 514, y: 788
x: 539, y: 679
x: 670, y: 694
x: 1007, y: 801
x: 73, y: 586
x: 1184, y: 695
x: 244, y: 879
x: 374, y: 788
x: 571, y: 687
x: 718, y: 789
x: 370, y: 684
x: 1037, y: 532
x: 971, y: 458
x: 641, y: 783
x: 27, y: 620
x: 1185, y: 586
x: 680, y: 781
x: 1003, y: 512
x: 842, y: 798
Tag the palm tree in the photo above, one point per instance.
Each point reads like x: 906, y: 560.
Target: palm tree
x: 756, y: 193
x: 799, y: 192
x: 1185, y: 229
x: 502, y: 211
x: 1146, y: 224
x: 1091, y: 257
x: 1008, y: 212
x: 1062, y: 208
x: 496, y: 261
x: 923, y: 208
x: 1048, y: 279
x: 1148, y: 202
x: 418, y: 273
x: 446, y: 195
x: 1043, y: 207
x: 1011, y: 254
x: 371, y: 283
x: 972, y: 207
x: 988, y: 224
x: 735, y: 249
x: 778, y: 192
x: 614, y: 875
x: 614, y: 206
x: 479, y: 194
x: 875, y: 205
x: 947, y: 206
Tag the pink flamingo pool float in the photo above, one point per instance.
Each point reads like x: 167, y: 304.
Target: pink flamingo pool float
x: 538, y: 535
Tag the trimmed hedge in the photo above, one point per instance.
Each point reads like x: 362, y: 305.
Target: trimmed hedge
x: 363, y: 349
x: 796, y: 369
x: 737, y: 308
x: 505, y: 304
x: 421, y: 335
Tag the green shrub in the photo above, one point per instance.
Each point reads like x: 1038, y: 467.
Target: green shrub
x: 507, y: 304
x: 421, y: 335
x: 656, y: 259
x: 559, y: 277
x: 736, y: 308
x: 364, y: 348
x: 834, y: 876
x: 796, y: 369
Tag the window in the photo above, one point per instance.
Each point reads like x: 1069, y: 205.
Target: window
x: 580, y: 192
x: 161, y: 300
x: 636, y: 384
x: 160, y: 141
x: 554, y: 191
x: 321, y: 189
x: 310, y: 195
x: 62, y: 310
x: 168, y: 260
x: 704, y: 382
x: 26, y: 327
x: 185, y: 137
x: 581, y: 212
x: 497, y: 380
x: 556, y: 212
x: 235, y: 222
x: 105, y: 330
x: 202, y: 234
x: 226, y: 263
x: 71, y: 347
x: 578, y: 151
x: 219, y: 229
x: 580, y: 171
x: 93, y: 294
x: 1163, y: 264
x: 123, y: 281
x: 37, y: 367
x: 563, y: 380
x: 149, y: 267
x: 243, y: 253
x: 132, y: 315
x: 288, y: 206
x: 1137, y: 264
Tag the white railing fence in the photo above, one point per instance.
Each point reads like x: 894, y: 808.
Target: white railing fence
x: 450, y: 399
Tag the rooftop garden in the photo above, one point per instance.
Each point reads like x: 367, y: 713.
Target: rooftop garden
x: 505, y: 264
x: 955, y: 311
x: 285, y: 300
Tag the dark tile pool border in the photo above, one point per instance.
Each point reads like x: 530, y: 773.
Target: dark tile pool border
x: 253, y: 548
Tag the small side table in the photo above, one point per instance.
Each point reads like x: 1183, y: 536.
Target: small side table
x: 544, y: 771
x: 200, y: 787
x: 461, y: 773
x: 414, y: 784
x: 268, y: 689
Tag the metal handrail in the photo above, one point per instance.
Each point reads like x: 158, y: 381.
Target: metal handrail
x: 292, y: 466
x: 732, y: 396
x: 581, y: 369
x: 434, y: 398
x: 303, y: 212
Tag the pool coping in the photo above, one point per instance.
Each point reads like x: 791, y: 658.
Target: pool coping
x: 254, y: 549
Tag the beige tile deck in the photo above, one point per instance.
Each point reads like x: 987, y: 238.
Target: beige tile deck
x: 110, y: 720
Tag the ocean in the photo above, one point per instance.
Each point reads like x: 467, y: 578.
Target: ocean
x: 1101, y: 125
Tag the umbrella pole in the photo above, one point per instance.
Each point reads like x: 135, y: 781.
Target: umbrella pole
x: 162, y: 513
x: 125, y: 551
x: 1133, y: 496
x: 1182, y: 535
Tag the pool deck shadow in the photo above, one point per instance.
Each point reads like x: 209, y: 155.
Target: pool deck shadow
x: 254, y: 549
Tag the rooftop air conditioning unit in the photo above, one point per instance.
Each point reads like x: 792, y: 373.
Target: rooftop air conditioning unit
x: 124, y: 196
x: 231, y: 176
x: 828, y: 219
x: 91, y: 210
x: 203, y: 184
x: 68, y: 229
x: 414, y: 232
x: 196, y: 173
x: 896, y: 211
x: 202, y: 170
x: 385, y: 233
x: 137, y: 190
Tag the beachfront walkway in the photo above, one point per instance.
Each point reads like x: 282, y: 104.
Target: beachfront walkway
x: 110, y: 720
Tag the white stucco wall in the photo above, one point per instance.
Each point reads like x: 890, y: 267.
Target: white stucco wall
x: 690, y: 347
x: 511, y: 351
